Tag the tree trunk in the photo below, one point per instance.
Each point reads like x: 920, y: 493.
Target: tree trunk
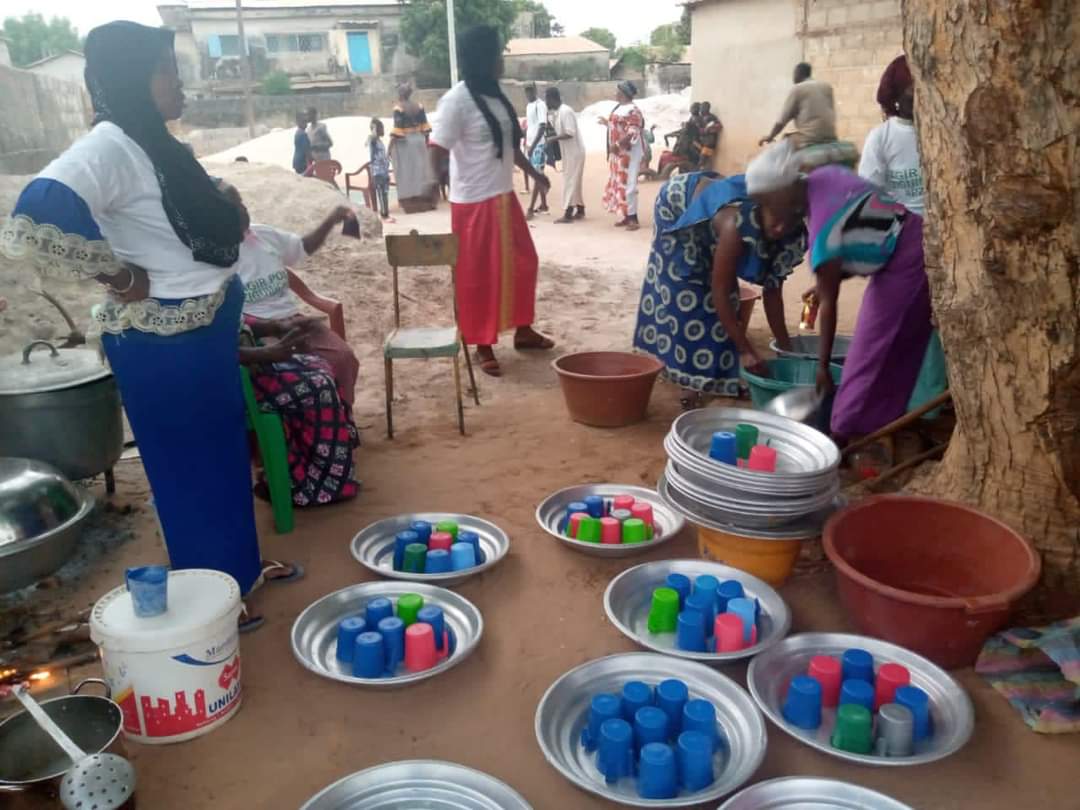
x: 998, y: 107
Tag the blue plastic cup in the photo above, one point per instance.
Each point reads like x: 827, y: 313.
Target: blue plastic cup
x: 369, y: 656
x: 915, y: 699
x: 650, y: 725
x: 347, y: 631
x: 729, y: 589
x: 401, y: 540
x: 671, y: 697
x: 859, y: 692
x: 571, y: 509
x: 700, y: 715
x: 708, y: 584
x: 462, y: 556
x: 658, y: 775
x: 723, y: 447
x: 704, y: 604
x: 802, y: 706
x: 635, y: 695
x: 437, y: 562
x: 594, y: 505
x: 473, y: 539
x: 604, y: 706
x: 615, y: 757
x: 694, y: 755
x: 378, y: 609
x: 392, y: 630
x: 690, y: 631
x: 149, y: 589
x: 681, y: 584
x: 433, y: 615
x: 858, y: 665
x: 423, y: 530
x: 746, y: 610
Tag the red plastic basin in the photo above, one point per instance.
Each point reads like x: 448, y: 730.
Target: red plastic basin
x: 607, y: 389
x: 934, y: 576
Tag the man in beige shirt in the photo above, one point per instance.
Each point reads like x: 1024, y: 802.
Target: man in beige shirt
x: 810, y: 106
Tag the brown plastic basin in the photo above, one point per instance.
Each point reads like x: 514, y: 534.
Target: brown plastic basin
x: 607, y: 389
x: 934, y: 576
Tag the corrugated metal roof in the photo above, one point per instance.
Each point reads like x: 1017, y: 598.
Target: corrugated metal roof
x: 552, y: 46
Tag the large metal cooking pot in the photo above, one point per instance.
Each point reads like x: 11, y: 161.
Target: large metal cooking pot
x: 41, y: 518
x: 32, y: 765
x: 62, y: 408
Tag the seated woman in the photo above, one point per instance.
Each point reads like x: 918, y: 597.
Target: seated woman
x: 855, y: 229
x: 708, y: 235
x: 265, y: 256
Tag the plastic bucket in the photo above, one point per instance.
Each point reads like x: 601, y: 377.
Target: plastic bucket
x: 765, y: 558
x: 176, y: 676
x: 805, y: 347
x: 785, y: 373
x: 607, y: 389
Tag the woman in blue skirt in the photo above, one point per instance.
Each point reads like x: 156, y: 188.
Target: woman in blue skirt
x: 707, y: 237
x: 129, y: 205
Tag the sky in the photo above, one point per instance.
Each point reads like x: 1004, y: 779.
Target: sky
x: 629, y: 20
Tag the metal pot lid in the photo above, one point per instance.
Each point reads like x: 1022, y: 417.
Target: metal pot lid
x: 41, y: 367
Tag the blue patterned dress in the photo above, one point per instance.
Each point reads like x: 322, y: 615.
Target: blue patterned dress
x: 677, y: 321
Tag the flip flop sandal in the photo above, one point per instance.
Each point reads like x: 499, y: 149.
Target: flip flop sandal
x: 544, y: 345
x: 490, y: 366
x: 276, y: 565
x: 248, y: 623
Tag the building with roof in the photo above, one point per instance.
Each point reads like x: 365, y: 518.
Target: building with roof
x: 553, y: 58
x: 66, y: 65
x: 319, y: 44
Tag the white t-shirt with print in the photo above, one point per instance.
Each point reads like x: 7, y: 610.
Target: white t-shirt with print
x: 890, y: 160
x: 116, y: 180
x: 476, y: 174
x: 265, y: 254
x: 536, y: 114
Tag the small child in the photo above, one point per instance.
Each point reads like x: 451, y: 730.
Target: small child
x: 380, y: 168
x: 538, y: 159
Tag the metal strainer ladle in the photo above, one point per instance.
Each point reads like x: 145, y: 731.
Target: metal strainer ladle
x: 95, y: 781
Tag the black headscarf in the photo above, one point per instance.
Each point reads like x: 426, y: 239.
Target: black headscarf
x: 120, y: 59
x: 480, y: 49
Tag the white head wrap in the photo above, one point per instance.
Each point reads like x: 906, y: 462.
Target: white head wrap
x: 773, y: 169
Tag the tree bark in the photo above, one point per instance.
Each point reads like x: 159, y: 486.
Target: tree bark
x: 998, y: 114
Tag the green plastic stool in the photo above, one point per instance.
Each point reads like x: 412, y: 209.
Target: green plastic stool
x: 270, y: 433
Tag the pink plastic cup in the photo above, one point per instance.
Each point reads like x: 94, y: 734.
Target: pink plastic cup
x: 622, y: 502
x: 610, y: 530
x: 643, y: 512
x: 444, y: 653
x: 890, y: 677
x: 575, y: 523
x: 762, y: 459
x: 729, y: 633
x: 419, y: 647
x: 441, y: 540
x: 827, y: 671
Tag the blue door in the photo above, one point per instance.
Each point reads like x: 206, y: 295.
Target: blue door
x: 359, y: 52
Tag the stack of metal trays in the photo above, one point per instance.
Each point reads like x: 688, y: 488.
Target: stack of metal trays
x: 804, y: 485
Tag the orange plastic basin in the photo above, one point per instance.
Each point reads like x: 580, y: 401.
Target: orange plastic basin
x: 607, y: 389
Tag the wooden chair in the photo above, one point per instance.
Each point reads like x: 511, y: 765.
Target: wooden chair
x: 368, y: 191
x: 432, y: 250
x: 326, y: 170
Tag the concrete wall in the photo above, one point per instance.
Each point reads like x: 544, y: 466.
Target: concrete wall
x: 68, y: 67
x: 661, y: 79
x: 51, y: 114
x: 591, y: 65
x: 744, y: 52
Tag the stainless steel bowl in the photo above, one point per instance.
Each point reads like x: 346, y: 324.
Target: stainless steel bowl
x: 629, y: 596
x: 810, y: 793
x: 41, y: 517
x: 551, y: 510
x: 563, y: 710
x: 373, y: 547
x: 771, y: 672
x: 419, y: 783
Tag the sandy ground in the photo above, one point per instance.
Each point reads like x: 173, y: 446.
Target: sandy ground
x: 542, y: 605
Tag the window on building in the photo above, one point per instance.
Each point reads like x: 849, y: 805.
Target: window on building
x: 293, y: 43
x: 230, y: 44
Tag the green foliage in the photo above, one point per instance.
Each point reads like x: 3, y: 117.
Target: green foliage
x: 276, y: 83
x: 601, y: 36
x: 634, y: 57
x: 541, y: 21
x: 31, y: 38
x: 423, y: 28
x: 668, y: 41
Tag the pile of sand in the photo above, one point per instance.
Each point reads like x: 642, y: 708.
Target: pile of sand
x: 276, y: 148
x: 667, y: 113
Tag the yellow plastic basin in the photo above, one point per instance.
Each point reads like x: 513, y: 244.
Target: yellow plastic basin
x: 770, y: 560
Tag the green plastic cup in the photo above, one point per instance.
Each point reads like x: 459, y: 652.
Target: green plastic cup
x: 415, y: 558
x: 746, y: 436
x: 634, y: 530
x: 408, y: 605
x: 450, y: 527
x: 853, y: 730
x: 664, y: 611
x: 589, y: 530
